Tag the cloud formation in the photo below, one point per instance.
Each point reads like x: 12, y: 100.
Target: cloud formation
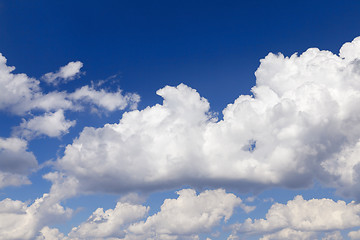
x: 20, y: 221
x: 49, y: 124
x: 64, y: 74
x: 182, y: 218
x: 302, y: 118
x: 22, y: 94
x: 303, y: 219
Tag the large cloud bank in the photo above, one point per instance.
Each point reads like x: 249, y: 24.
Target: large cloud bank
x: 301, y: 123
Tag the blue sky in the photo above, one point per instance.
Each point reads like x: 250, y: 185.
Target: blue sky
x: 134, y: 119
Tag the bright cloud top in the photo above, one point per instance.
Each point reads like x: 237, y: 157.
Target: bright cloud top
x: 301, y: 122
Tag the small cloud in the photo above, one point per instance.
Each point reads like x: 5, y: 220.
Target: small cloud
x: 50, y: 124
x: 66, y: 73
x: 250, y: 199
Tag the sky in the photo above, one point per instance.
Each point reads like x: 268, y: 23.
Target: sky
x: 171, y: 120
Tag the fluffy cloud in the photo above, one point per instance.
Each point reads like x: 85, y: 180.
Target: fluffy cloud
x: 303, y: 113
x: 302, y: 219
x: 148, y: 148
x: 15, y: 162
x: 50, y: 234
x: 188, y: 215
x: 15, y: 88
x: 110, y: 223
x: 50, y: 124
x: 108, y: 100
x: 20, y: 221
x: 21, y: 94
x: 184, y: 217
x: 64, y: 74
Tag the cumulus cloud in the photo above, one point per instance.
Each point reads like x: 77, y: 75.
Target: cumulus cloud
x: 64, y: 74
x: 21, y: 94
x: 50, y: 124
x: 303, y: 219
x: 15, y: 88
x: 21, y: 221
x: 184, y: 218
x: 15, y: 162
x: 110, y: 223
x: 47, y: 233
x: 303, y: 113
x: 188, y: 215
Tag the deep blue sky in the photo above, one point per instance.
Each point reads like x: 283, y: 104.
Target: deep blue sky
x: 213, y: 46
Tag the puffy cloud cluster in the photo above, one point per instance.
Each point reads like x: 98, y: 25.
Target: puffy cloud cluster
x: 185, y: 217
x: 21, y: 94
x: 301, y: 121
x: 303, y: 219
x: 66, y: 73
x: 182, y: 218
x: 15, y: 162
x: 111, y: 223
x: 20, y: 221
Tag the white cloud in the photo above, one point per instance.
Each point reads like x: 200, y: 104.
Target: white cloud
x: 187, y: 215
x: 184, y: 218
x: 20, y: 221
x: 50, y: 124
x: 147, y: 148
x: 50, y: 234
x: 303, y: 218
x: 64, y: 74
x: 354, y: 234
x: 15, y: 162
x: 110, y: 101
x: 110, y: 223
x: 21, y: 94
x: 15, y: 88
x: 303, y: 113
